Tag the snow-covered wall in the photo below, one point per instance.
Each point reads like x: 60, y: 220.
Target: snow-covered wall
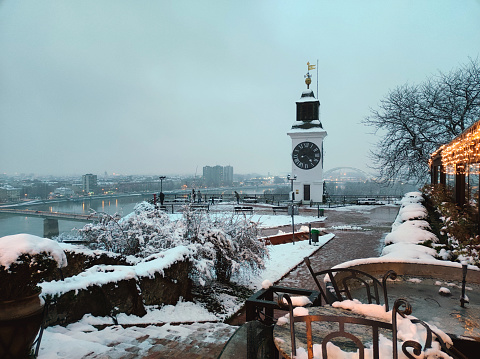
x: 106, y: 289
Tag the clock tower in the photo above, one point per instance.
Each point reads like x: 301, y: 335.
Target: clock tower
x: 307, y: 136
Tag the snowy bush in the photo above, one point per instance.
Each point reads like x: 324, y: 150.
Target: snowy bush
x: 225, y: 243
x: 25, y: 261
x: 222, y: 244
x: 410, y: 233
x: 412, y: 197
x: 457, y: 225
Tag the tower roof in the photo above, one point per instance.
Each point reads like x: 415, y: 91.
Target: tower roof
x: 307, y: 96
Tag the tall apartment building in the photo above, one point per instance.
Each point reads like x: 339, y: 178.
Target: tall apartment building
x: 228, y: 175
x: 89, y: 183
x: 9, y: 194
x: 218, y: 176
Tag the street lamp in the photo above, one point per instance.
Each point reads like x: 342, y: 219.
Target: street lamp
x: 161, y: 182
x: 291, y: 179
x: 162, y: 196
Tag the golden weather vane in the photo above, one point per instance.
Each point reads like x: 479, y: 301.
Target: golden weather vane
x: 308, y: 77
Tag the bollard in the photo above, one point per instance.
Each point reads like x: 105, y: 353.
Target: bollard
x: 309, y: 234
x: 463, y: 300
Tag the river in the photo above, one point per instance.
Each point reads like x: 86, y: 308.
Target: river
x: 123, y: 205
x: 14, y: 224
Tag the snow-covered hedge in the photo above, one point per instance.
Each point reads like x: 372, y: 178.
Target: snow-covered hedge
x: 459, y: 224
x: 25, y: 261
x: 221, y: 243
x: 411, y: 234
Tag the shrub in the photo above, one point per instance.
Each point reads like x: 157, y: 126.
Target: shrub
x: 21, y: 278
x: 458, y: 226
x: 222, y: 244
x: 25, y: 261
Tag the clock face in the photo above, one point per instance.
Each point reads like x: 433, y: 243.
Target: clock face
x: 306, y: 155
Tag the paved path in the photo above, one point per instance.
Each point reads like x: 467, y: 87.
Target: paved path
x: 359, y: 233
x: 348, y: 244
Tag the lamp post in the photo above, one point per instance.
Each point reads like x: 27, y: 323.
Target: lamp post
x: 291, y: 179
x: 161, y: 182
x: 162, y: 196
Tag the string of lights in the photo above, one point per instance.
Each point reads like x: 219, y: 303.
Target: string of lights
x: 462, y: 152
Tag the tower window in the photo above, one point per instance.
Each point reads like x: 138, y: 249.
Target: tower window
x: 307, y: 111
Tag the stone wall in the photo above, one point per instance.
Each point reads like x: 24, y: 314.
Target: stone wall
x: 80, y: 260
x: 128, y: 295
x: 167, y: 289
x: 447, y: 271
x: 105, y: 301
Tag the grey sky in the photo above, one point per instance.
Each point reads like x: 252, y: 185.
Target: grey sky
x: 163, y: 87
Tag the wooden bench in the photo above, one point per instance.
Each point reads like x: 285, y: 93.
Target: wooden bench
x: 200, y: 207
x: 243, y: 209
x: 279, y: 209
x: 250, y: 199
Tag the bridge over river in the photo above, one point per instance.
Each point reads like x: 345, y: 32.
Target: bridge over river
x: 50, y: 222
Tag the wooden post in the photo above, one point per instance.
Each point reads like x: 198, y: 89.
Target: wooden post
x: 50, y: 227
x: 460, y: 185
x: 443, y: 175
x: 478, y: 208
x: 434, y: 174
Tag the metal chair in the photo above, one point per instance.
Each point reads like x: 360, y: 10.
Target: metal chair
x: 365, y: 326
x: 263, y: 304
x: 262, y: 308
x: 342, y: 280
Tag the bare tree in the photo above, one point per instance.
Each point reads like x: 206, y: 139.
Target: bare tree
x: 414, y: 120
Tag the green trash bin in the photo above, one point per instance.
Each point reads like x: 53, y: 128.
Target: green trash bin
x: 315, y: 234
x: 321, y: 212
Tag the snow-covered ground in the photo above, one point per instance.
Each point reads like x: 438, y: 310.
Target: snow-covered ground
x: 269, y: 220
x: 81, y: 338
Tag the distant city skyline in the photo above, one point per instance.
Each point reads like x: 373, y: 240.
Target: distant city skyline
x: 169, y: 87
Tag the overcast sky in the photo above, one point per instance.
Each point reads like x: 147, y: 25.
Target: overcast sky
x: 167, y: 87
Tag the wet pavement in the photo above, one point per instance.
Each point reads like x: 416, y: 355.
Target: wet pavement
x: 359, y: 233
x: 365, y: 240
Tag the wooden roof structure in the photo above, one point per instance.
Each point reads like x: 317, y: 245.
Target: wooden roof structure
x: 463, y: 150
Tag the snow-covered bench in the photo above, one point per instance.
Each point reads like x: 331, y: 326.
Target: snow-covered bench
x: 243, y: 209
